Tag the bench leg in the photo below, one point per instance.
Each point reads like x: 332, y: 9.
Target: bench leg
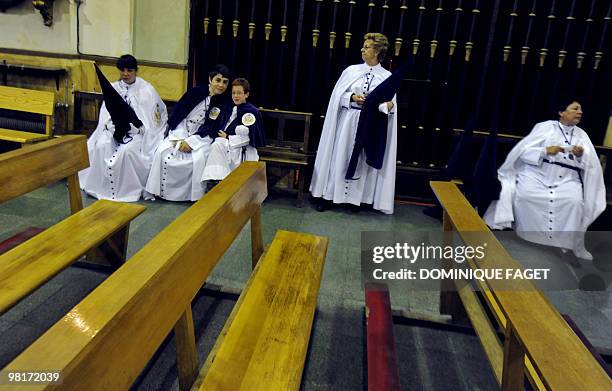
x: 186, y: 354
x: 74, y: 193
x: 450, y: 302
x: 111, y: 253
x: 300, y: 199
x: 256, y: 237
x: 514, y: 362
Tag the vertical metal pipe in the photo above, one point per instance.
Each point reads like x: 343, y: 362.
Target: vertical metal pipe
x: 385, y: 7
x: 417, y: 41
x: 371, y: 6
x: 400, y: 29
x: 587, y: 28
x: 332, y: 33
x: 348, y: 34
x: 298, y: 45
x: 551, y: 17
x: 469, y: 45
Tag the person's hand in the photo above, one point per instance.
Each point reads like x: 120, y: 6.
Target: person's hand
x: 359, y: 99
x: 185, y: 147
x: 578, y: 150
x: 554, y: 149
x: 389, y: 106
x: 222, y: 134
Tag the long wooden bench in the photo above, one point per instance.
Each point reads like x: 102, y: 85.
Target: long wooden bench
x: 38, y: 107
x: 136, y: 307
x: 100, y: 230
x: 538, y: 342
x: 132, y: 311
x: 265, y: 340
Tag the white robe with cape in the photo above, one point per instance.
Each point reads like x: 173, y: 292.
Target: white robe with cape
x: 336, y: 145
x: 546, y: 202
x: 227, y: 153
x: 119, y: 171
x: 175, y: 175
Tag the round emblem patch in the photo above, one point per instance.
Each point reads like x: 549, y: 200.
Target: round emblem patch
x: 214, y: 113
x: 248, y: 119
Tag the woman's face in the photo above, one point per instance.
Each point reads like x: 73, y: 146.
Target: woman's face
x: 368, y: 53
x: 572, y: 114
x: 218, y: 84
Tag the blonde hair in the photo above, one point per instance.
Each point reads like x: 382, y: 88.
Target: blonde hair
x: 381, y: 44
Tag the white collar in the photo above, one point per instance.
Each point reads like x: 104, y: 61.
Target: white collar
x: 566, y: 128
x: 375, y: 67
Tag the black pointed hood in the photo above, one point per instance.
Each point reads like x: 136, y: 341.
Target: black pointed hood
x: 121, y: 113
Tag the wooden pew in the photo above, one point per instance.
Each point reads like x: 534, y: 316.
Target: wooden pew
x: 107, y: 339
x: 264, y: 342
x: 538, y: 341
x: 283, y: 151
x: 35, y: 104
x: 41, y: 164
x: 102, y: 226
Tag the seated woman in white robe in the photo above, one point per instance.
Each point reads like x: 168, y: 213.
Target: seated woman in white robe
x: 552, y: 185
x: 119, y: 165
x: 371, y: 186
x: 242, y: 133
x: 180, y: 158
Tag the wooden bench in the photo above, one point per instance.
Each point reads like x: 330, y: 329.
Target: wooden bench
x: 106, y: 340
x: 538, y: 342
x: 287, y: 146
x: 102, y: 226
x: 26, y: 116
x: 134, y: 309
x: 264, y: 342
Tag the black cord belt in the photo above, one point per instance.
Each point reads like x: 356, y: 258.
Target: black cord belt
x: 566, y: 166
x: 563, y: 165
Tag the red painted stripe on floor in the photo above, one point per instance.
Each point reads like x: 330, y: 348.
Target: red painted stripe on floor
x: 19, y: 238
x: 383, y: 372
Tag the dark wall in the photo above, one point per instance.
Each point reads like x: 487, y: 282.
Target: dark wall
x: 442, y: 91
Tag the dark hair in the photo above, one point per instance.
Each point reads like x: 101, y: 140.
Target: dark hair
x: 219, y: 69
x: 246, y: 86
x: 564, y: 103
x: 127, y: 61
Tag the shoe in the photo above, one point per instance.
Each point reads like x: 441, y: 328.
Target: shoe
x: 210, y: 184
x: 322, y: 205
x: 583, y: 254
x: 354, y: 208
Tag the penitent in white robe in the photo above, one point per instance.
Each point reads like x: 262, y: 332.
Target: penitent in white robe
x: 119, y: 171
x: 175, y: 175
x: 550, y: 204
x: 227, y: 153
x: 338, y: 138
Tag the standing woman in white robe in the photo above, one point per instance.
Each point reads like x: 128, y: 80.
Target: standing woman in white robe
x: 119, y: 171
x: 180, y: 158
x: 552, y: 185
x: 373, y: 186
